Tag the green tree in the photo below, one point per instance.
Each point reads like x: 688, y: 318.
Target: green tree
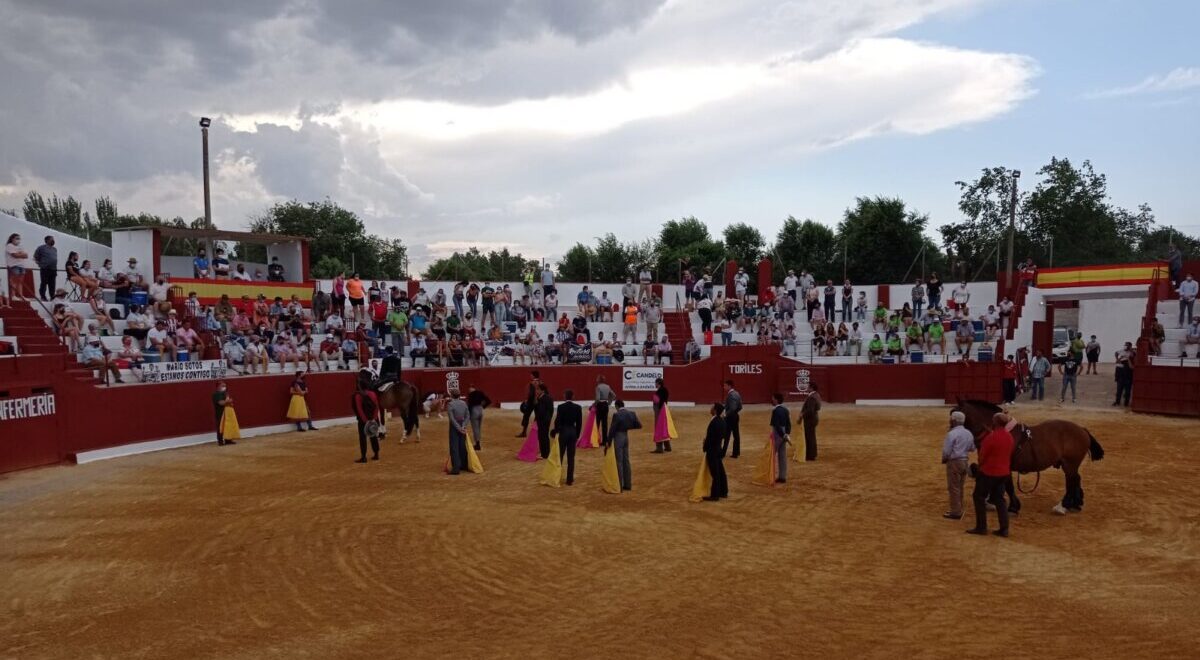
x: 328, y: 268
x: 333, y: 231
x: 744, y: 244
x: 807, y: 246
x: 476, y: 266
x: 65, y: 215
x: 882, y: 239
x: 686, y: 242
x: 985, y: 204
x: 576, y: 264
x: 1156, y: 244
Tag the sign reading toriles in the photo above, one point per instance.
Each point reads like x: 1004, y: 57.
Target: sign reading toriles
x: 38, y: 405
x: 178, y: 372
x: 754, y: 369
x: 640, y: 379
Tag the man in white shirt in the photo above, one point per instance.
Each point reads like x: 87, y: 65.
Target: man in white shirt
x: 652, y: 315
x: 956, y: 451
x: 991, y: 323
x: 741, y: 282
x: 131, y: 273
x: 334, y: 322
x: 854, y: 340
x: 235, y: 353
x: 643, y: 283
x: 790, y: 283
x: 961, y: 296
x: 240, y: 274
x: 1188, y: 289
x: 1191, y: 337
x: 161, y: 341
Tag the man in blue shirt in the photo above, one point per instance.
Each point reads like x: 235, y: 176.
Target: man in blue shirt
x: 1038, y: 370
x: 200, y: 264
x: 956, y: 450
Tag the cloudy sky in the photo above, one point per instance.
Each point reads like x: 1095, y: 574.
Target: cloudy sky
x: 536, y: 123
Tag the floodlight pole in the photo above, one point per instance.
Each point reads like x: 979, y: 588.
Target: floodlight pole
x: 1012, y: 229
x: 204, y: 122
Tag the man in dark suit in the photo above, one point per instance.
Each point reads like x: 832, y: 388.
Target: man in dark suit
x: 623, y: 421
x: 733, y: 407
x: 714, y: 453
x: 530, y: 401
x: 781, y: 431
x: 567, y: 424
x: 808, y: 418
x: 543, y: 413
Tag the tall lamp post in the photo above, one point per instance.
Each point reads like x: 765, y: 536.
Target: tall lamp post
x: 1012, y: 229
x: 205, y: 122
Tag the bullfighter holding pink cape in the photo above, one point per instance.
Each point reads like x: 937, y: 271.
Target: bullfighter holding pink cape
x: 664, y: 426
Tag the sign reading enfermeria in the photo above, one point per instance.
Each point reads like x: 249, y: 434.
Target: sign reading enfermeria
x: 178, y: 372
x: 38, y: 405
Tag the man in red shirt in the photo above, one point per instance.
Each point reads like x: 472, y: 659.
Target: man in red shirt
x: 1010, y: 380
x: 995, y: 466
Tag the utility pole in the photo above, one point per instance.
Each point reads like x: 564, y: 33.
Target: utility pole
x: 1012, y: 230
x: 205, y: 122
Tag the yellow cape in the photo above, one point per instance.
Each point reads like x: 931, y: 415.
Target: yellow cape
x: 671, y: 432
x: 703, y: 486
x: 595, y: 436
x: 765, y: 470
x: 229, y: 425
x: 473, y: 463
x: 552, y: 472
x: 610, y: 482
x: 297, y: 408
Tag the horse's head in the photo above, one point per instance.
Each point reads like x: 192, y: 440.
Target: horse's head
x: 979, y: 416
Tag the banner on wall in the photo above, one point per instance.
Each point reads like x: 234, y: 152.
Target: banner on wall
x: 640, y: 379
x: 178, y: 372
x: 579, y: 354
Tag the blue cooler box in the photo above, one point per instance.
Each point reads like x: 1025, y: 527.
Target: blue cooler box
x: 984, y: 355
x: 182, y: 355
x: 916, y: 357
x: 888, y: 359
x: 139, y: 298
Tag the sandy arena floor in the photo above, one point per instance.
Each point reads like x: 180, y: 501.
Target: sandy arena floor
x: 282, y: 547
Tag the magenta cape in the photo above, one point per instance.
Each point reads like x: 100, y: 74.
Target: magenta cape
x: 530, y: 451
x: 589, y: 431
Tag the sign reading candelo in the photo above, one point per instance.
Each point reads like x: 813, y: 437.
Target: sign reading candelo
x: 640, y: 379
x: 177, y: 372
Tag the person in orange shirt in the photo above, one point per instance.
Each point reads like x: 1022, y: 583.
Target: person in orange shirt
x: 356, y: 294
x: 629, y: 334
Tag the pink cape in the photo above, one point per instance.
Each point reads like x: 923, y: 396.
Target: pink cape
x: 530, y: 451
x: 589, y: 428
x: 661, y: 432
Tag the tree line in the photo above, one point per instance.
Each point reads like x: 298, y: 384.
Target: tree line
x: 1064, y: 217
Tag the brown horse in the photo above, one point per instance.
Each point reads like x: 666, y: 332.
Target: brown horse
x: 400, y: 397
x: 1054, y: 443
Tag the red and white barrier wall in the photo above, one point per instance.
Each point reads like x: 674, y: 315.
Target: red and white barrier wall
x: 48, y: 416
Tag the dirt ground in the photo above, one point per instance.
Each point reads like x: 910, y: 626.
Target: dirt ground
x: 282, y: 547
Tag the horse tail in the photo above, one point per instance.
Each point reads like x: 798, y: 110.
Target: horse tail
x: 1094, y: 448
x: 414, y: 404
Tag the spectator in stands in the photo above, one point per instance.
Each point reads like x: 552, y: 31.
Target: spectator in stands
x: 961, y: 296
x: 652, y: 314
x: 1039, y: 368
x: 418, y: 348
x: 188, y: 339
x: 722, y: 328
x: 551, y: 304
x: 100, y: 313
x: 17, y: 260
x: 107, y: 277
x: 520, y: 312
x: 137, y: 324
x: 895, y: 348
x: 46, y: 258
x: 234, y: 353
x: 397, y: 325
x: 991, y: 324
x: 320, y: 304
x: 875, y: 349
x: 257, y: 356
x: 160, y: 291
x: 830, y: 295
x: 1191, y: 338
x: 807, y: 282
x: 787, y: 307
x: 964, y: 335
x: 548, y: 281
x: 1188, y: 289
x: 644, y: 280
x: 132, y: 275
x: 69, y: 325
x: 132, y: 354
x: 220, y: 265
x: 1092, y: 351
x: 285, y: 350
x: 879, y: 322
x: 275, y: 271
x: 663, y: 350
x: 307, y: 351
x: 790, y: 283
x: 200, y: 269
x: 330, y: 349
x: 628, y: 292
x: 933, y: 290
x: 1124, y: 374
x: 1005, y: 312
x: 918, y: 297
x: 356, y: 292
x: 691, y: 351
x: 854, y: 340
x: 604, y: 307
x: 1157, y: 335
x: 241, y: 275
x: 1174, y: 264
x: 811, y: 301
x: 95, y: 356
x: 1028, y: 273
x: 937, y: 337
x: 914, y: 337
x: 77, y: 276
x: 378, y: 309
x: 161, y: 341
x: 487, y: 303
x: 741, y: 283
x: 630, y: 319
